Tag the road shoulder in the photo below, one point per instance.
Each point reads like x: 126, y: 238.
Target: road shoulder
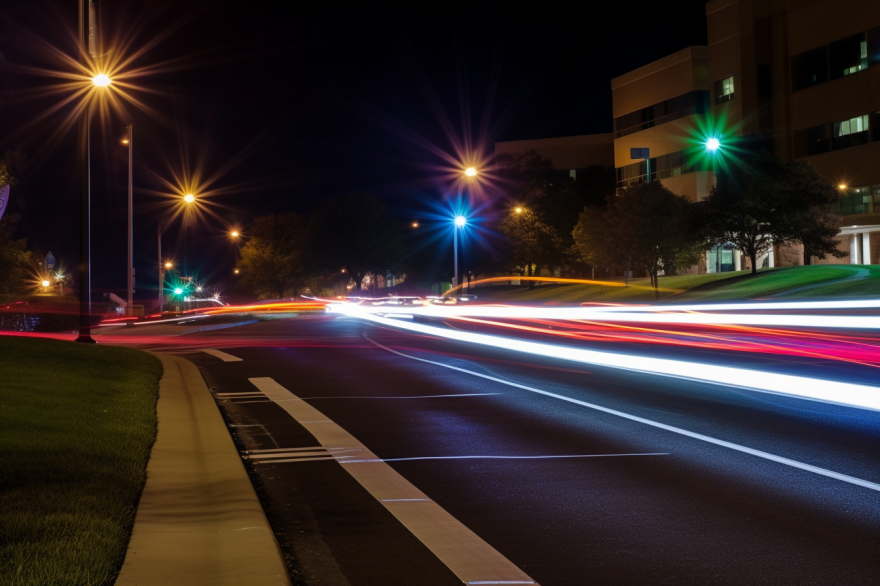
x: 199, y: 520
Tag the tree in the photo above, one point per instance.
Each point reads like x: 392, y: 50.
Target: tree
x: 549, y: 205
x: 355, y: 233
x: 17, y: 263
x: 760, y: 201
x: 532, y: 242
x: 645, y: 224
x: 275, y: 259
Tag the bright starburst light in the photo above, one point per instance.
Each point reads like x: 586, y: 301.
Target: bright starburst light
x: 712, y: 145
x: 460, y: 221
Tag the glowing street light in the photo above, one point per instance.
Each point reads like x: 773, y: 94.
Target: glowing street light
x: 168, y: 265
x: 189, y: 198
x: 415, y: 224
x: 460, y: 221
x: 236, y: 271
x: 471, y: 172
x: 178, y: 291
x: 234, y: 233
x: 518, y: 210
x: 45, y: 284
x: 101, y: 80
x: 842, y: 186
x: 712, y: 144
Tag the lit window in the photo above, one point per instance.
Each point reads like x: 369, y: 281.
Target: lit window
x: 851, y: 126
x: 724, y: 90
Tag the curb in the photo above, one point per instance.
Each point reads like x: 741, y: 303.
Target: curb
x: 218, y: 327
x: 199, y: 521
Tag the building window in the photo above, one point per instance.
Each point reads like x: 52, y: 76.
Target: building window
x: 810, y: 68
x: 873, y: 38
x: 859, y: 200
x: 724, y: 90
x: 848, y: 56
x: 852, y: 132
x: 818, y: 140
x: 695, y: 102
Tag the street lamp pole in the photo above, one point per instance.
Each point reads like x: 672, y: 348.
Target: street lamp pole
x: 86, y: 11
x: 161, y: 267
x: 455, y: 255
x: 130, y: 141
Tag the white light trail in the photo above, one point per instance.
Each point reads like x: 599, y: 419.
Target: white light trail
x: 840, y: 393
x: 659, y: 315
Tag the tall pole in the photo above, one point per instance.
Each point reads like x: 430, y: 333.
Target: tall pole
x: 130, y: 130
x: 85, y: 277
x: 161, y: 268
x: 455, y: 255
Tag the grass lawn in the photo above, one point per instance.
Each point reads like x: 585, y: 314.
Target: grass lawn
x: 76, y: 426
x: 708, y: 287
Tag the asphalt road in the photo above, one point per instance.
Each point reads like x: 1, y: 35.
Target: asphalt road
x: 642, y: 497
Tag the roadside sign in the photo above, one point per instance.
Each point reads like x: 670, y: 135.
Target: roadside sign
x: 50, y: 261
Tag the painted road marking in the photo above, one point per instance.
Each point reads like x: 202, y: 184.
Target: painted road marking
x: 269, y: 450
x: 678, y: 430
x: 469, y: 557
x: 410, y: 397
x: 221, y: 355
x: 244, y: 394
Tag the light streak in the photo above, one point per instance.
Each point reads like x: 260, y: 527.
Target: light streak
x: 848, y: 394
x: 657, y: 315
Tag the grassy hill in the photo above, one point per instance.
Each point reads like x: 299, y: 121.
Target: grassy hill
x: 819, y: 282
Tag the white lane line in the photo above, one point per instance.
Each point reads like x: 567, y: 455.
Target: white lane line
x: 801, y: 387
x: 678, y: 430
x: 518, y: 457
x: 411, y: 397
x: 221, y: 355
x: 288, y: 455
x: 270, y: 450
x: 293, y: 460
x: 460, y: 549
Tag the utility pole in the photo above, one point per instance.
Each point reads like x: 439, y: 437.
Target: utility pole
x: 161, y: 267
x: 130, y: 137
x: 88, y: 46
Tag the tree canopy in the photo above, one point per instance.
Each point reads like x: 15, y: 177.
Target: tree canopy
x: 760, y: 201
x: 644, y: 224
x: 275, y: 260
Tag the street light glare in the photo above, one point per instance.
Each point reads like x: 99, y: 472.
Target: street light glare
x: 712, y: 145
x: 178, y: 291
x: 841, y: 186
x: 101, y: 80
x: 415, y: 224
x: 45, y: 283
x: 235, y: 234
x: 189, y: 198
x: 167, y: 265
x: 518, y: 210
x: 470, y: 172
x: 460, y: 221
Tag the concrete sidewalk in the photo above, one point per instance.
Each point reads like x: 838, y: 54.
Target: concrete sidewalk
x: 199, y: 520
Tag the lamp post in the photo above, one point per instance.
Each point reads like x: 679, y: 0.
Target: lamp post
x: 460, y: 222
x: 88, y: 37
x: 162, y: 266
x: 129, y: 141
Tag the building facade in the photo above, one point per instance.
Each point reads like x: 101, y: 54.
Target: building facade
x: 803, y: 73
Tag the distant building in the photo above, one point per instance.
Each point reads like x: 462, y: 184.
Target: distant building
x: 805, y: 74
x: 567, y: 152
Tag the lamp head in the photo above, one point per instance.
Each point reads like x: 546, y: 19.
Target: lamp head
x: 712, y: 144
x: 189, y: 198
x: 460, y: 221
x: 45, y: 283
x: 101, y: 80
x: 471, y: 172
x: 178, y: 290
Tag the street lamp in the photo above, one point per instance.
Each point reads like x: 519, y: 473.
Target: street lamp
x: 713, y: 144
x: 128, y: 140
x: 88, y: 49
x: 471, y: 172
x: 518, y: 210
x: 460, y: 222
x: 415, y: 224
x: 189, y: 198
x: 234, y: 234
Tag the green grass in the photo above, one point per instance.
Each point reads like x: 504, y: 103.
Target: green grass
x: 76, y: 426
x: 707, y: 287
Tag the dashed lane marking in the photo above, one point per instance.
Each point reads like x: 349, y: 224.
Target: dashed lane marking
x: 469, y: 557
x: 221, y: 355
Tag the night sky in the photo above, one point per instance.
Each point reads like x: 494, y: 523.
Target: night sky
x: 285, y: 106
